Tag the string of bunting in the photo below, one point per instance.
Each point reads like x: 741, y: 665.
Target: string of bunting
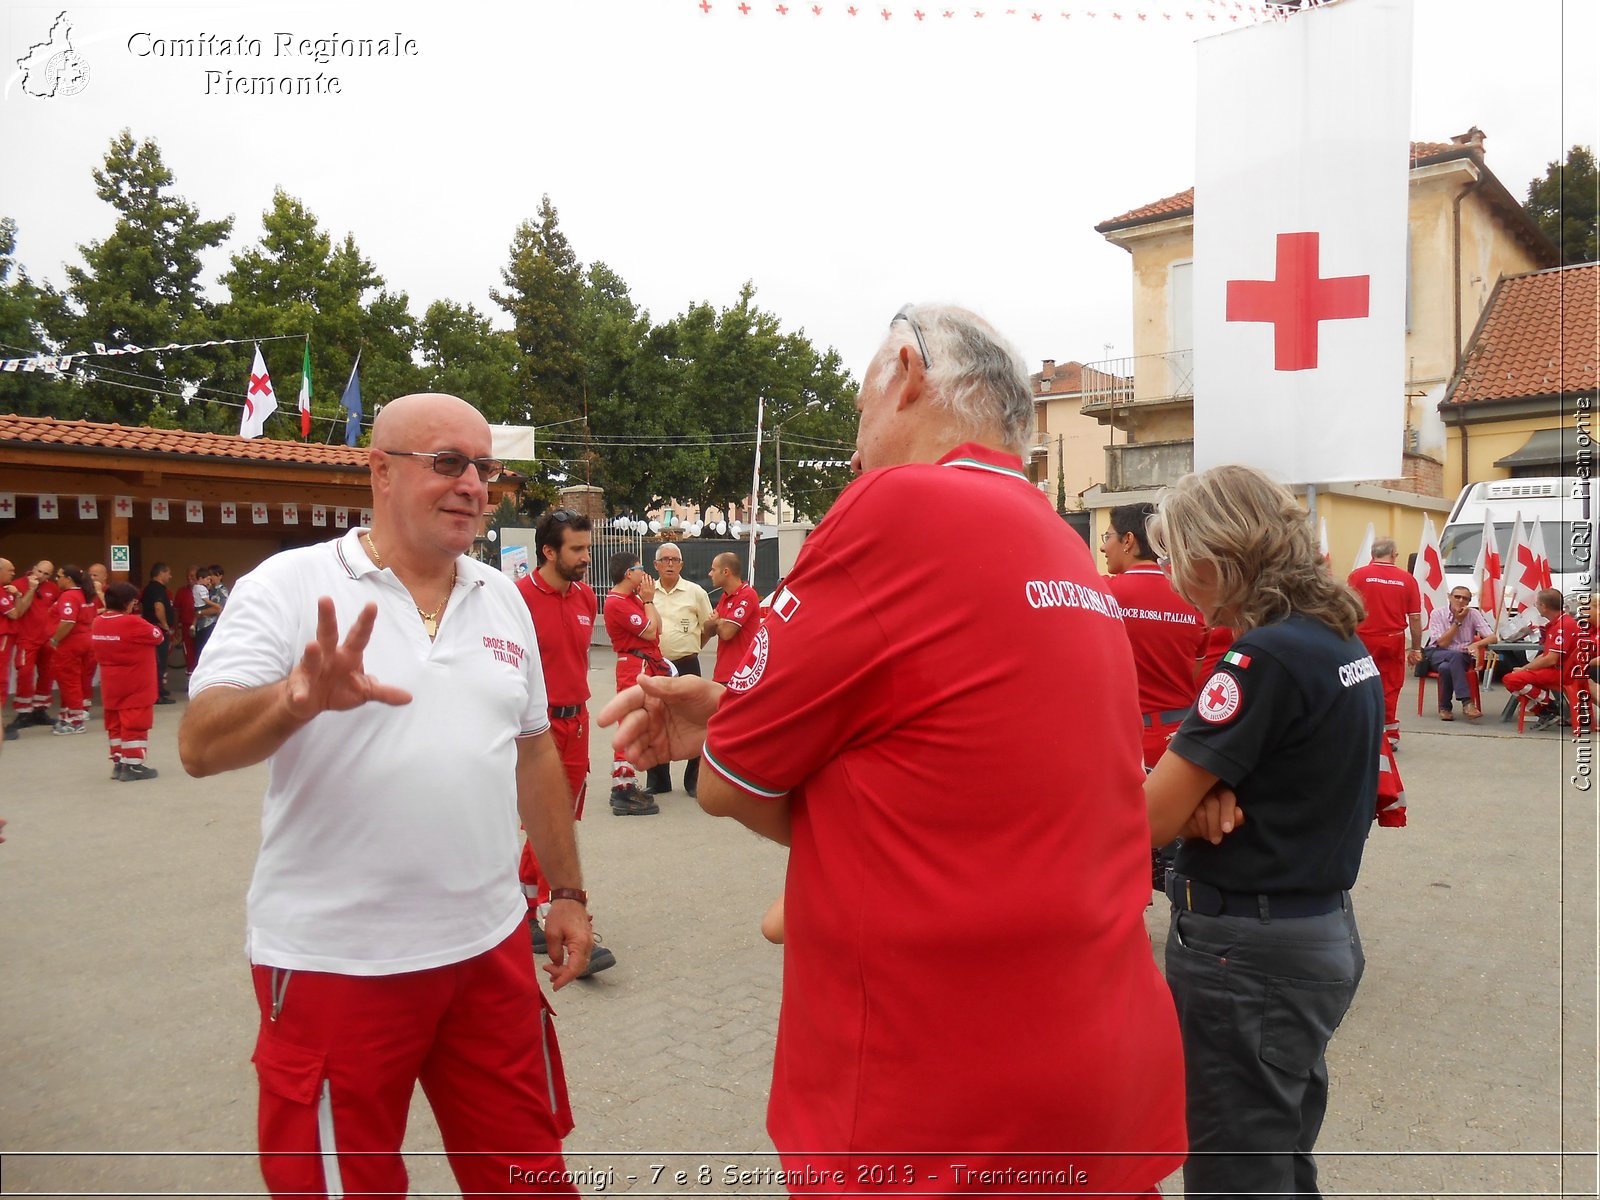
x: 1209, y: 11
x: 56, y: 363
x: 50, y: 508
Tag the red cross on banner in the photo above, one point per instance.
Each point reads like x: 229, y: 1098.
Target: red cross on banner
x: 259, y: 400
x: 124, y: 506
x: 8, y: 505
x: 1297, y: 301
x: 230, y: 514
x: 47, y: 507
x: 195, y: 512
x: 260, y: 385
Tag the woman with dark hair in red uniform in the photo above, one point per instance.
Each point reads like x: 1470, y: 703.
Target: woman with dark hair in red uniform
x: 75, y: 612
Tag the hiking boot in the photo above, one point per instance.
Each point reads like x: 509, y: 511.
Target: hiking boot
x: 638, y: 804
x: 133, y: 772
x: 600, y: 959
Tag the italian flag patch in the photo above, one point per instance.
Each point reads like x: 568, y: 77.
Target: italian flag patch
x: 1234, y: 658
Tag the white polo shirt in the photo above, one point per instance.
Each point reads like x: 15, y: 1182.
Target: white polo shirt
x: 389, y: 835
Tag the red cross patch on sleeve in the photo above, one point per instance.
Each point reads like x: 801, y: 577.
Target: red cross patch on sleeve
x: 1220, y: 698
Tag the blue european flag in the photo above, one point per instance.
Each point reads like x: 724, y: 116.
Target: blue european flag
x: 352, y: 403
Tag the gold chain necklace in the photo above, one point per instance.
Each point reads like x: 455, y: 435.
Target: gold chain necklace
x: 430, y: 620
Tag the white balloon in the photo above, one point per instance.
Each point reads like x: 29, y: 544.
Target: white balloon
x: 655, y: 526
x: 736, y: 529
x: 640, y: 527
x: 494, y: 535
x: 722, y: 527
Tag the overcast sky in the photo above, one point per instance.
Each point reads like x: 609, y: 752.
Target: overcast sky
x: 844, y: 164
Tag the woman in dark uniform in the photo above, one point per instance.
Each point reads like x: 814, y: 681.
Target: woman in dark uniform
x: 1263, y: 956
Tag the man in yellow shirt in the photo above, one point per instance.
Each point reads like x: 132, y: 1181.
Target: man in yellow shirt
x: 683, y: 607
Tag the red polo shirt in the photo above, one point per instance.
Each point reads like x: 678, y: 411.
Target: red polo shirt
x: 625, y: 620
x: 1391, y: 596
x: 966, y: 968
x: 73, y: 607
x: 1561, y: 636
x: 1168, y: 635
x: 564, y: 623
x: 743, y: 607
x: 37, y: 624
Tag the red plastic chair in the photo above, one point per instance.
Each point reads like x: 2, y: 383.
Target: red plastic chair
x: 1575, y: 705
x: 1473, y: 685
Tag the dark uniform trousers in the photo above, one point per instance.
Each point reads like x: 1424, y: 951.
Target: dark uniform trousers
x: 1258, y: 1001
x: 659, y: 778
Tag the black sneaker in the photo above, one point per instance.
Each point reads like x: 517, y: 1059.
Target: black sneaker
x: 133, y: 772
x: 600, y: 959
x: 13, y: 731
x: 1547, y: 720
x: 40, y: 717
x: 116, y: 772
x: 166, y: 700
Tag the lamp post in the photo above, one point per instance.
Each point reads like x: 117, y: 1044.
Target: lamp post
x: 777, y: 435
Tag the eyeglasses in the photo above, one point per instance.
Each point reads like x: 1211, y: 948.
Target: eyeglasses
x: 1107, y: 536
x: 664, y: 561
x: 453, y: 465
x: 905, y: 315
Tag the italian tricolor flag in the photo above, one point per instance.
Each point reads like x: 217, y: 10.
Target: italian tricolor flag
x: 305, y: 395
x: 1236, y: 659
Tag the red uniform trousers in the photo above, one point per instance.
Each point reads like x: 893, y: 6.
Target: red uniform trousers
x: 1536, y: 685
x: 128, y: 730
x: 1391, y: 791
x: 1388, y: 652
x: 339, y: 1064
x: 572, y: 740
x: 8, y: 654
x: 73, y: 666
x: 34, y: 661
x: 629, y: 668
x: 1158, y: 730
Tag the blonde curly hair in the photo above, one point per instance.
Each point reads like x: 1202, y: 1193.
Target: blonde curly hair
x: 1258, y: 539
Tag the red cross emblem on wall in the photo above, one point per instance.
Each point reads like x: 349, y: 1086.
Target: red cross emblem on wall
x: 1298, y: 300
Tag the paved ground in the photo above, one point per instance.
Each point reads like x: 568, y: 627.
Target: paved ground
x: 126, y: 1021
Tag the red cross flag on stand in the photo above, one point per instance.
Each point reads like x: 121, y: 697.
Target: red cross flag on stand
x: 1527, y: 569
x: 1364, y: 554
x: 1301, y: 158
x: 259, y: 402
x: 1486, y: 576
x: 1429, y: 572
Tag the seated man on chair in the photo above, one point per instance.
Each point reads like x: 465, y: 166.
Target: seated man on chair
x: 1455, y: 635
x: 1540, y: 681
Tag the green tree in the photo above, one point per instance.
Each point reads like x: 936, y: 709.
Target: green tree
x: 543, y: 288
x: 462, y: 354
x: 141, y: 285
x: 296, y: 281
x: 27, y: 393
x: 1563, y: 204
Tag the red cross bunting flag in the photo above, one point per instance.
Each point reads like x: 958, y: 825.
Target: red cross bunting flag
x: 195, y: 511
x: 1429, y: 572
x: 88, y: 508
x: 49, y: 510
x: 1301, y: 167
x: 259, y: 402
x: 159, y: 509
x: 341, y: 518
x: 8, y: 505
x: 291, y: 514
x: 230, y: 512
x: 258, y: 514
x: 319, y: 515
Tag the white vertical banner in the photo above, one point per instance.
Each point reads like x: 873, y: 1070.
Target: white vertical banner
x: 1302, y: 165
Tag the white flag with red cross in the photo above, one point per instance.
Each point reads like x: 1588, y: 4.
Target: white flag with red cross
x: 1486, y: 576
x: 1364, y: 554
x: 88, y: 508
x: 159, y: 509
x: 8, y: 505
x: 259, y: 402
x: 49, y: 508
x: 1527, y: 569
x: 1299, y: 305
x: 230, y: 512
x: 1429, y: 572
x: 1322, y: 543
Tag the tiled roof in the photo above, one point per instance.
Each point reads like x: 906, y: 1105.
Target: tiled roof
x: 1181, y: 204
x: 139, y: 439
x: 1537, y: 337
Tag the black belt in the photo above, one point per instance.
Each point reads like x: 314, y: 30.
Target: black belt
x: 1171, y: 717
x: 1191, y: 895
x: 659, y: 665
x: 564, y: 712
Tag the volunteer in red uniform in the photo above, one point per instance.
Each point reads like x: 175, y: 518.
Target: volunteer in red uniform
x: 1167, y: 632
x: 34, y: 651
x: 183, y: 601
x: 73, y: 661
x: 634, y: 629
x: 387, y: 933
x: 1560, y: 637
x: 1394, y: 605
x: 9, y: 595
x: 896, y: 752
x: 563, y: 608
x: 121, y: 642
x: 737, y: 616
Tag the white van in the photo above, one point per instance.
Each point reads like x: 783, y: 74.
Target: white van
x: 1561, y: 505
